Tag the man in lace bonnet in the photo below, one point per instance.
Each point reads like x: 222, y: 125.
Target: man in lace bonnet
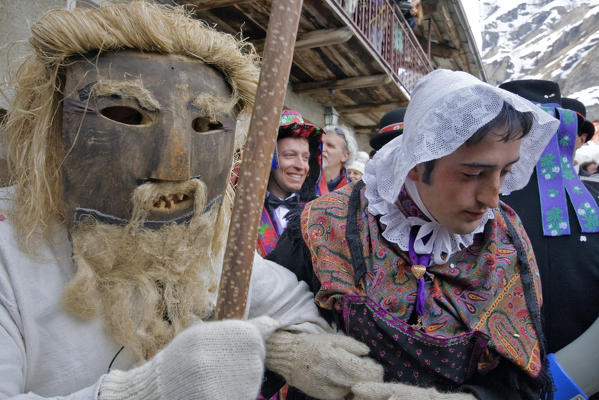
x: 422, y: 250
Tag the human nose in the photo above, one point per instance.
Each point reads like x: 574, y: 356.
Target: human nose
x: 300, y: 163
x: 172, y: 154
x: 488, y: 192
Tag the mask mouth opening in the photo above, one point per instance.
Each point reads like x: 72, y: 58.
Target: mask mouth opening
x: 172, y: 202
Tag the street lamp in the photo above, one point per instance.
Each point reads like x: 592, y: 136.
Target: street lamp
x: 331, y: 116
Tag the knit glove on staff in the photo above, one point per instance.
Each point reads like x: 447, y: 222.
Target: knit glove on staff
x: 400, y: 391
x: 324, y: 366
x: 213, y: 360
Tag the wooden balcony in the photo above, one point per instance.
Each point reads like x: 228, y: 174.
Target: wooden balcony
x: 358, y: 55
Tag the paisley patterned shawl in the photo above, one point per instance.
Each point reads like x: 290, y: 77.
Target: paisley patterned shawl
x: 479, y: 288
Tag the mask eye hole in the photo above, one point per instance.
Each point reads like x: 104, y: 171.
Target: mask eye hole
x: 125, y: 115
x: 205, y: 124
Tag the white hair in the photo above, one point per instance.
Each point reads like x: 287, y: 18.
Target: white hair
x: 351, y: 145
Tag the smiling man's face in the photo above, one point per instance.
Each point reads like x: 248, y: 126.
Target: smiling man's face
x: 131, y: 118
x: 293, y: 155
x: 465, y: 184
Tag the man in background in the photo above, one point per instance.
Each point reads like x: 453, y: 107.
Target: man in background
x: 390, y: 127
x: 422, y: 250
x: 560, y: 214
x: 338, y: 146
x: 294, y: 172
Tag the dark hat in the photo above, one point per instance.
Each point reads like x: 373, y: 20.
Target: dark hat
x: 390, y: 127
x: 535, y: 90
x: 584, y: 125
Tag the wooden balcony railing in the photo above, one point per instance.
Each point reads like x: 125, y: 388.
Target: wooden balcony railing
x: 382, y: 24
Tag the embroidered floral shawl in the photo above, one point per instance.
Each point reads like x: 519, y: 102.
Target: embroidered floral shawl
x: 479, y: 288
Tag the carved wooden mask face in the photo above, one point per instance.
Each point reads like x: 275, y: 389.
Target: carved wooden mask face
x: 130, y: 118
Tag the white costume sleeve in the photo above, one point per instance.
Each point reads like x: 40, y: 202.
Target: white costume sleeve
x: 276, y: 292
x: 12, y: 353
x: 31, y: 318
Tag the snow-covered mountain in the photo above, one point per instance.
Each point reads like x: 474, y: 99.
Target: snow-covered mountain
x: 556, y: 40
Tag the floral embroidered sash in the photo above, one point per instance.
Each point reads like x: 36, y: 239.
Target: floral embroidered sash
x: 555, y: 172
x: 267, y: 234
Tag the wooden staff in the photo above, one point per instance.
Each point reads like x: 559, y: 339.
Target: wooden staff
x: 257, y: 157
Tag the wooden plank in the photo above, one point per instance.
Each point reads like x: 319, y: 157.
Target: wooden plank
x: 369, y: 108
x: 440, y: 50
x: 317, y: 38
x: 323, y: 37
x: 341, y: 84
x: 352, y: 59
x: 429, y: 7
x: 452, y: 31
x: 435, y: 31
x: 365, y: 128
x: 316, y: 15
x: 310, y: 62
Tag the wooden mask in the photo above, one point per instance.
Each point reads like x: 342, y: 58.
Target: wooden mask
x: 131, y: 117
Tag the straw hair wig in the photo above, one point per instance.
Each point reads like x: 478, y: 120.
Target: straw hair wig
x: 33, y: 124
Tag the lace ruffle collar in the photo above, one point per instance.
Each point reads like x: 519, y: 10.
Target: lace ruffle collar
x: 431, y: 238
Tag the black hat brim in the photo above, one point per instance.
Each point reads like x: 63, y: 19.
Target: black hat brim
x: 588, y: 128
x: 378, y: 140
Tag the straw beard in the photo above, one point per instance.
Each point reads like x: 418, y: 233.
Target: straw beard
x: 149, y: 284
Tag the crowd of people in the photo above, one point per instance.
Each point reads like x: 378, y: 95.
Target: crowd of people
x: 459, y: 260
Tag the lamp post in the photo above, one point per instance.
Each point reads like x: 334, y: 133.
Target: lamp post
x: 331, y: 116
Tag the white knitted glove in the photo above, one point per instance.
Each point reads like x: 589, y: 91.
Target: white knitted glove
x: 212, y: 360
x: 400, y: 391
x: 324, y: 365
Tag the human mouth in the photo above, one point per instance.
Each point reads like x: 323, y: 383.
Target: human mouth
x: 474, y: 216
x: 296, y: 177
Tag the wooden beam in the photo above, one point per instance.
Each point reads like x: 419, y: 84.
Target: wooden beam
x: 369, y: 108
x: 203, y: 5
x: 429, y: 7
x: 323, y: 37
x: 440, y: 50
x: 365, y: 128
x: 316, y: 38
x: 342, y: 84
x: 436, y: 31
x: 452, y: 31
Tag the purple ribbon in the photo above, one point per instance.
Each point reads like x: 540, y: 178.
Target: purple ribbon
x: 555, y: 172
x: 419, y: 259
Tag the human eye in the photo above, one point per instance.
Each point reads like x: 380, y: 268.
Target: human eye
x: 506, y: 171
x: 471, y: 175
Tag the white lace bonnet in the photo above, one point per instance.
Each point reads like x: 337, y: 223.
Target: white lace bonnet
x: 447, y: 107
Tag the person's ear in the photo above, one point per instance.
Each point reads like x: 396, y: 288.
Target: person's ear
x: 345, y: 157
x: 415, y: 173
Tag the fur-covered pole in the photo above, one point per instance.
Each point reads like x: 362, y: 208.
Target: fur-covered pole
x: 255, y: 168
